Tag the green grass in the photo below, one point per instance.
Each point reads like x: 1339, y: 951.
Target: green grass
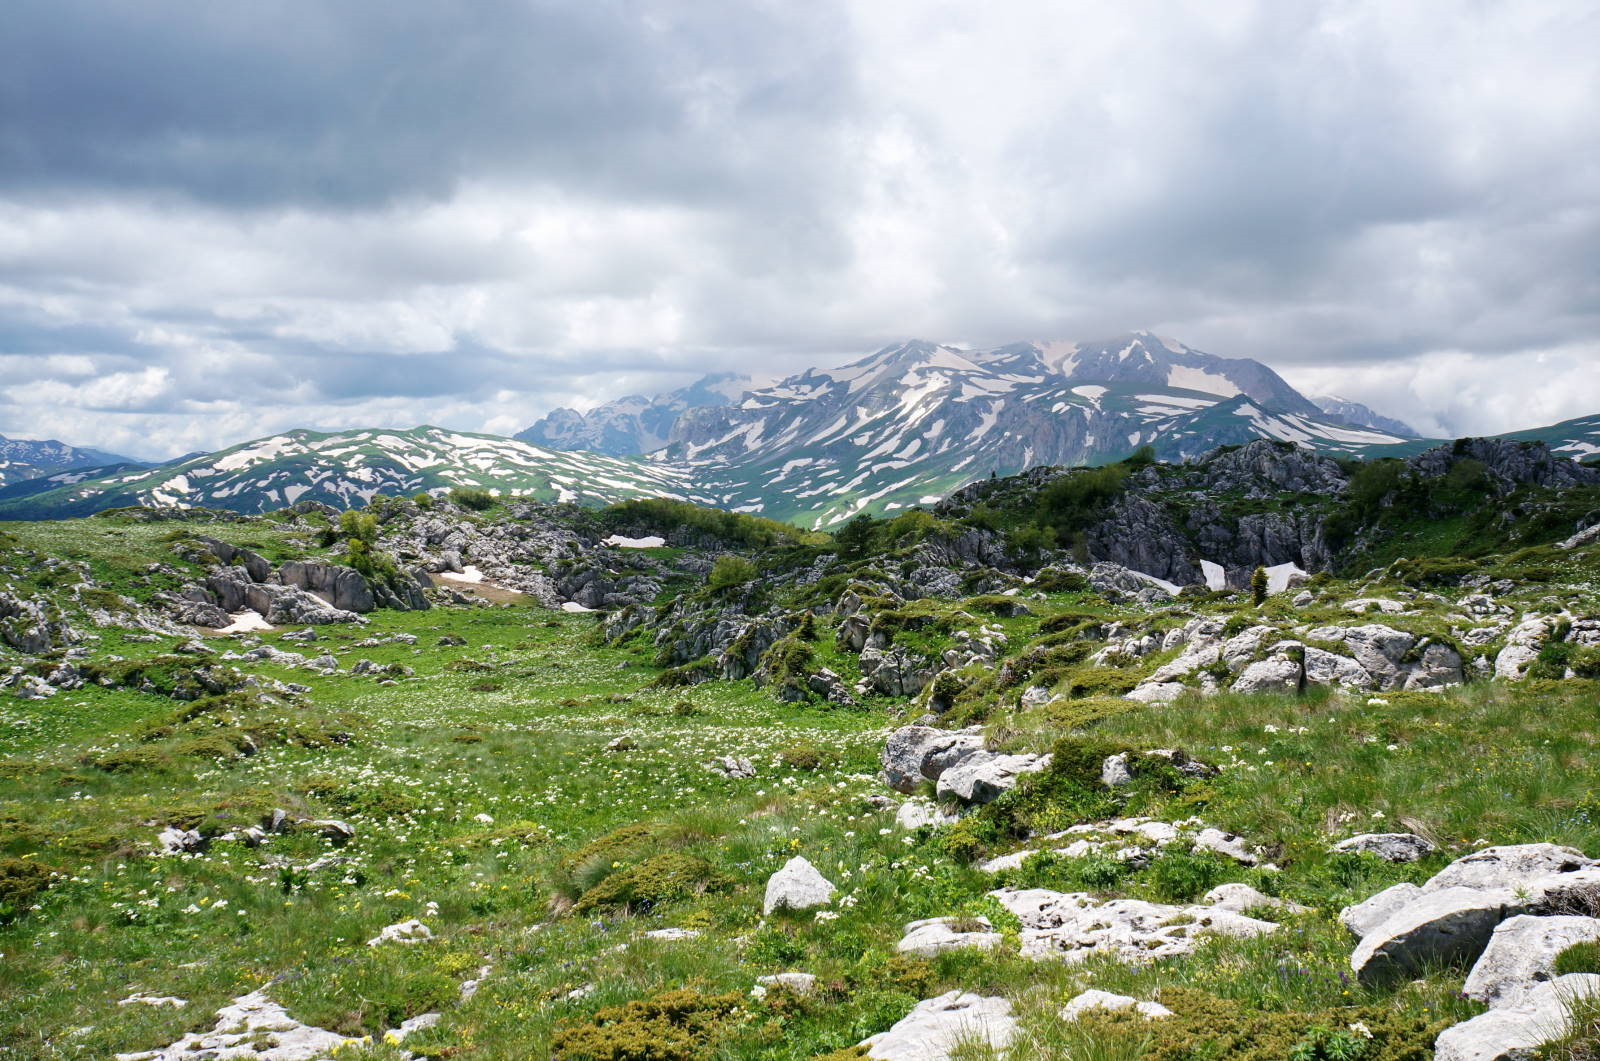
x: 486, y: 803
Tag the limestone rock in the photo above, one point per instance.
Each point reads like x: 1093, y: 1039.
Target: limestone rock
x: 918, y: 813
x: 983, y: 776
x: 1509, y: 866
x: 1391, y: 847
x: 412, y: 931
x: 797, y: 983
x: 1112, y: 1003
x: 937, y: 1026
x: 1072, y: 926
x: 1515, y: 1032
x: 797, y: 886
x: 1449, y: 924
x: 1522, y: 953
x: 252, y: 1026
x: 1367, y: 915
x: 938, y: 934
x: 914, y: 754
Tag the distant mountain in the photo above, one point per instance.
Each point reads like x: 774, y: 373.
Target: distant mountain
x: 914, y: 421
x: 1358, y: 415
x: 345, y: 469
x: 635, y: 424
x: 22, y: 459
x: 902, y: 427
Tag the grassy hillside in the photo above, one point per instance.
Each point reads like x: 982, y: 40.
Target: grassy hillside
x: 540, y: 799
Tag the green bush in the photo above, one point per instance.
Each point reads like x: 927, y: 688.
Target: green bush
x: 730, y: 571
x: 1203, y: 1028
x: 658, y: 879
x: 21, y: 881
x: 1182, y: 876
x: 1579, y: 958
x: 673, y: 1026
x: 472, y: 498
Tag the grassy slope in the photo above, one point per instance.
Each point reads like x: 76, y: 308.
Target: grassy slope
x: 514, y: 725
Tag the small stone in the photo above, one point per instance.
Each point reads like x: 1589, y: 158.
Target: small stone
x: 1112, y: 1003
x: 412, y: 931
x: 1391, y: 847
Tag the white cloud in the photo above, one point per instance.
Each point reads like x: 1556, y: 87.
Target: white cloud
x: 1400, y: 200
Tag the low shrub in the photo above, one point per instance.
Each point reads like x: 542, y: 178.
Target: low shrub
x: 658, y: 879
x: 674, y: 1026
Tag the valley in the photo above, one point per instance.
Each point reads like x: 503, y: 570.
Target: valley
x: 682, y: 783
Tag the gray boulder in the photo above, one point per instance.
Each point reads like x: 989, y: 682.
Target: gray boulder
x: 936, y: 935
x: 983, y: 776
x: 914, y: 754
x: 1522, y: 954
x: 1391, y: 847
x: 1447, y: 925
x: 936, y: 1027
x: 1509, y: 866
x: 1515, y: 1032
x: 1365, y: 916
x: 343, y: 587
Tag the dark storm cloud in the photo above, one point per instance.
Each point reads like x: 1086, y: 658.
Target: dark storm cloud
x: 224, y: 219
x: 361, y: 102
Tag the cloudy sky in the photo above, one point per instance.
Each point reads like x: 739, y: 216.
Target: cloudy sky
x: 219, y: 220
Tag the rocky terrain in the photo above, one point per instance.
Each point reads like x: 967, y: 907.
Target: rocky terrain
x: 1267, y: 755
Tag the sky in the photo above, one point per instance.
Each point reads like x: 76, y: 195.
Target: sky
x: 222, y: 220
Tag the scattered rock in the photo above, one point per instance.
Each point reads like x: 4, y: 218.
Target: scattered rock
x: 731, y: 767
x: 937, y: 1026
x: 158, y: 1001
x: 1073, y: 925
x: 1111, y: 1003
x: 1514, y: 1032
x: 1367, y: 915
x: 1449, y: 924
x: 1522, y: 953
x: 1509, y: 866
x: 798, y: 983
x: 797, y: 886
x: 939, y: 934
x: 252, y: 1026
x: 412, y: 931
x: 1391, y: 847
x: 1241, y: 897
x: 983, y: 776
x: 914, y: 754
x: 917, y: 813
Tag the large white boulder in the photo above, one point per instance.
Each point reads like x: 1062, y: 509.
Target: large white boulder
x: 937, y: 1026
x: 1368, y: 914
x: 1451, y: 924
x: 797, y: 886
x: 935, y: 935
x: 914, y: 754
x: 983, y: 776
x: 1514, y: 1032
x: 1522, y: 954
x: 1509, y: 866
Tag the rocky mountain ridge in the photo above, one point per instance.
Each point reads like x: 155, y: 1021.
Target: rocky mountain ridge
x: 22, y: 460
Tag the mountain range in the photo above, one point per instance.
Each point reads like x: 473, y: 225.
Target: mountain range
x: 901, y: 427
x: 24, y: 459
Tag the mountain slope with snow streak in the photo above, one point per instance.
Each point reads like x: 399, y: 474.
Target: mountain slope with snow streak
x: 345, y: 469
x: 913, y: 421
